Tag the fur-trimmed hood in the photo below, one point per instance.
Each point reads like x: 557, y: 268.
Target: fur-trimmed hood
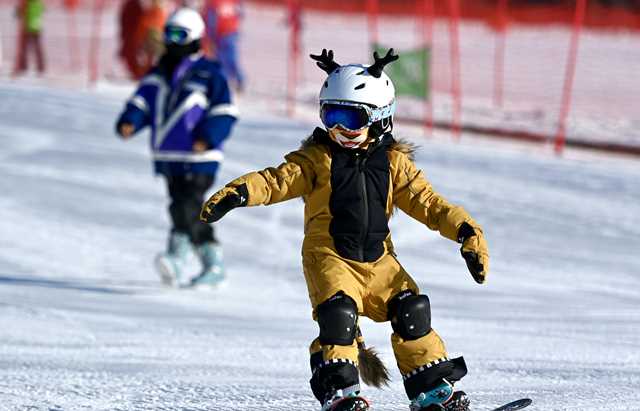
x: 405, y: 147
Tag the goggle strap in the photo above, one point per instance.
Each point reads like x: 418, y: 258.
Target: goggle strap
x: 379, y: 113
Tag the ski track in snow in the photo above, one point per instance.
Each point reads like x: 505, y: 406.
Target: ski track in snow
x: 87, y: 326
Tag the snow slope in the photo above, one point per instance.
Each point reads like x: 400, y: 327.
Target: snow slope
x: 87, y: 326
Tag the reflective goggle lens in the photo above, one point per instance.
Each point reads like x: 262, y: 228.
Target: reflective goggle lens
x: 349, y: 117
x: 176, y: 35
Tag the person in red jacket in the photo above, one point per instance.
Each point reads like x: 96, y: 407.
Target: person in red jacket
x: 223, y: 30
x: 141, y: 24
x: 130, y: 14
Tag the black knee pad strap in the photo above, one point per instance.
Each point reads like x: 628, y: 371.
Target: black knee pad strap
x: 410, y: 315
x: 337, y: 318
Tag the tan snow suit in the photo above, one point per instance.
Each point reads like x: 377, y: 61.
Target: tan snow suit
x: 373, y: 280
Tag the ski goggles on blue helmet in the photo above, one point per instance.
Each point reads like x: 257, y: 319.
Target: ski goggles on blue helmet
x: 176, y: 35
x: 352, y: 116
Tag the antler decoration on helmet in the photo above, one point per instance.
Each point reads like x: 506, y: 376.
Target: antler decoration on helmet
x: 376, y: 69
x: 325, y: 61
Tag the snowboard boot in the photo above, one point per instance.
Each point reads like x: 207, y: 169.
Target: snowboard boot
x: 441, y: 398
x: 170, y: 264
x: 342, y: 400
x: 212, y: 272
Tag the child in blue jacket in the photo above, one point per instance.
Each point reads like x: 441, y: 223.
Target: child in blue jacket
x: 186, y: 102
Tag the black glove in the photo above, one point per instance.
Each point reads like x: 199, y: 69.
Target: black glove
x: 474, y: 251
x: 224, y: 201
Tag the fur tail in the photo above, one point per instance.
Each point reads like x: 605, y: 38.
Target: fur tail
x: 372, y: 370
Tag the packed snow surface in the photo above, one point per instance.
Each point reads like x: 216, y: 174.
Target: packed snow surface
x: 86, y: 324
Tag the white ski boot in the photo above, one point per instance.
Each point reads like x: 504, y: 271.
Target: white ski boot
x: 170, y: 265
x: 212, y: 268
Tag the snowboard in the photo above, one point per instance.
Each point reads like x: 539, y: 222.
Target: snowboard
x: 512, y: 406
x: 360, y: 404
x: 515, y: 405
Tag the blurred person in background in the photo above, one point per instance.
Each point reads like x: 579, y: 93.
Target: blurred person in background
x: 130, y: 14
x: 223, y: 31
x: 141, y: 23
x: 186, y: 102
x: 30, y: 14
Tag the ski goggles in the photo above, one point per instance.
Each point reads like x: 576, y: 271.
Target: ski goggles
x: 352, y: 116
x: 176, y: 35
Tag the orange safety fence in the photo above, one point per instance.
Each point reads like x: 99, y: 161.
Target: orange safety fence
x: 534, y: 81
x: 546, y: 82
x: 598, y: 14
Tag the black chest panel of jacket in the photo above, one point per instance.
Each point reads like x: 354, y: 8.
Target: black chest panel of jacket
x: 359, y: 191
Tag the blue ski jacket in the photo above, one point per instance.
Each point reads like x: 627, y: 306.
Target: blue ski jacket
x: 194, y: 104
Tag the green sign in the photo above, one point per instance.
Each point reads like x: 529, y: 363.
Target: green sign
x: 410, y: 74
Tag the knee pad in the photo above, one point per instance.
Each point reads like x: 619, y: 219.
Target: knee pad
x: 410, y: 315
x: 337, y: 318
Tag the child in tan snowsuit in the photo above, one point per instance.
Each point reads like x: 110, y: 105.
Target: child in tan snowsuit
x: 351, y: 176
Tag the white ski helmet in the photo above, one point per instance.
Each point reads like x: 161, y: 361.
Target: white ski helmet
x: 184, y: 26
x: 367, y: 87
x: 354, y: 83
